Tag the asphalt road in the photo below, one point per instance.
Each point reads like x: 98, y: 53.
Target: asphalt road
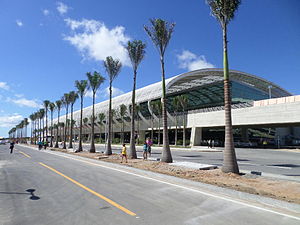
x: 40, y: 188
x: 285, y: 163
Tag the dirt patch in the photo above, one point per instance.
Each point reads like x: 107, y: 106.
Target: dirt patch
x: 279, y: 189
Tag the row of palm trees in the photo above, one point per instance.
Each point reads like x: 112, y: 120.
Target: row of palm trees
x: 20, y: 130
x: 160, y: 33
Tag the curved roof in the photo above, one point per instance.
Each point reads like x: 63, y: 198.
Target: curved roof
x: 186, y: 81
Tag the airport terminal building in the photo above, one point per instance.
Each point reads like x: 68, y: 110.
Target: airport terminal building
x: 261, y: 110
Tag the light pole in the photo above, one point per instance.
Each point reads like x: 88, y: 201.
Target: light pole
x: 270, y: 91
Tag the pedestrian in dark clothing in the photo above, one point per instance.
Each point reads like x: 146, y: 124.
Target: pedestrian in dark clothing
x: 12, y: 145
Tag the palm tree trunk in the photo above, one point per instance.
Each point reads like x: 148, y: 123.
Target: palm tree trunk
x: 184, y: 126
x: 40, y: 130
x: 46, y: 124
x: 229, y: 161
x: 166, y: 152
x: 80, y: 129
x: 51, y: 140
x: 93, y: 149
x: 158, y: 137
x: 152, y: 126
x: 138, y: 130
x: 43, y: 128
x: 108, y: 148
x: 56, y: 144
x: 176, y: 127
x: 65, y: 130
x: 71, y: 129
x: 132, y: 151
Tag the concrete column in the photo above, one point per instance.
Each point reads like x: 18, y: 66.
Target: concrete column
x: 297, y: 132
x: 196, y: 136
x: 245, y: 136
x: 142, y: 136
x: 281, y: 133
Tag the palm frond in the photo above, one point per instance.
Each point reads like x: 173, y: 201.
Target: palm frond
x: 223, y: 10
x: 160, y: 32
x: 136, y: 52
x: 112, y: 67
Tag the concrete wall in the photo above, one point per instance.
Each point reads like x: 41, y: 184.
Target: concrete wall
x: 280, y: 114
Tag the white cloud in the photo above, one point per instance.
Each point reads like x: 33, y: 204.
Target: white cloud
x: 89, y: 94
x: 46, y: 12
x: 19, y: 23
x: 62, y: 8
x: 95, y: 41
x: 10, y: 121
x: 115, y: 92
x: 19, y: 95
x: 4, y: 86
x: 190, y: 61
x: 24, y: 102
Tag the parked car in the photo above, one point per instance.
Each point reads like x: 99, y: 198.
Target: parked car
x: 2, y: 142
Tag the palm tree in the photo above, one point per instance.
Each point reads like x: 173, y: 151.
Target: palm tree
x: 26, y: 124
x: 137, y: 110
x: 46, y: 105
x: 42, y: 115
x: 160, y: 33
x: 101, y: 117
x: 72, y: 97
x: 136, y: 52
x: 95, y: 81
x: 183, y: 101
x: 66, y: 102
x: 122, y: 112
x: 223, y: 11
x: 113, y: 68
x: 113, y: 114
x: 157, y: 106
x: 52, y: 108
x: 176, y: 109
x: 31, y: 117
x: 62, y: 126
x: 81, y: 89
x: 85, y: 121
x: 58, y: 104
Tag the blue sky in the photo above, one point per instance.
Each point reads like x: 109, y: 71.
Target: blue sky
x: 47, y: 45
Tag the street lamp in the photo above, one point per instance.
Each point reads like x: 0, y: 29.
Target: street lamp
x: 270, y: 91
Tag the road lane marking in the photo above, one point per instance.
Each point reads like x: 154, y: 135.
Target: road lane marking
x: 91, y: 191
x: 225, y: 198
x: 280, y: 167
x: 28, y: 156
x: 187, y: 188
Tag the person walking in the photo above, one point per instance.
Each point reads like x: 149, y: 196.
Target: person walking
x: 145, y: 151
x: 40, y: 145
x: 11, y: 146
x: 149, y: 144
x: 124, y: 153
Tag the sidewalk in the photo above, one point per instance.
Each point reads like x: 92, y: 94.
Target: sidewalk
x: 194, y: 148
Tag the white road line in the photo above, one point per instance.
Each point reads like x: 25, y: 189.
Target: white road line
x: 183, y: 187
x: 280, y: 167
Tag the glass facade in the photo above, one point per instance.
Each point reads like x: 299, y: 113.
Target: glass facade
x: 211, y: 95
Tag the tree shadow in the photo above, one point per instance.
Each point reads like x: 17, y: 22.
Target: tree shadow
x: 32, y: 195
x: 286, y: 165
x: 191, y: 156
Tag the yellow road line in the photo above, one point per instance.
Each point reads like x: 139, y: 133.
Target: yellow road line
x: 91, y: 191
x: 28, y: 156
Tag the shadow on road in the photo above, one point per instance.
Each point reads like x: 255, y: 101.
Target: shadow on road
x: 286, y: 165
x: 32, y: 196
